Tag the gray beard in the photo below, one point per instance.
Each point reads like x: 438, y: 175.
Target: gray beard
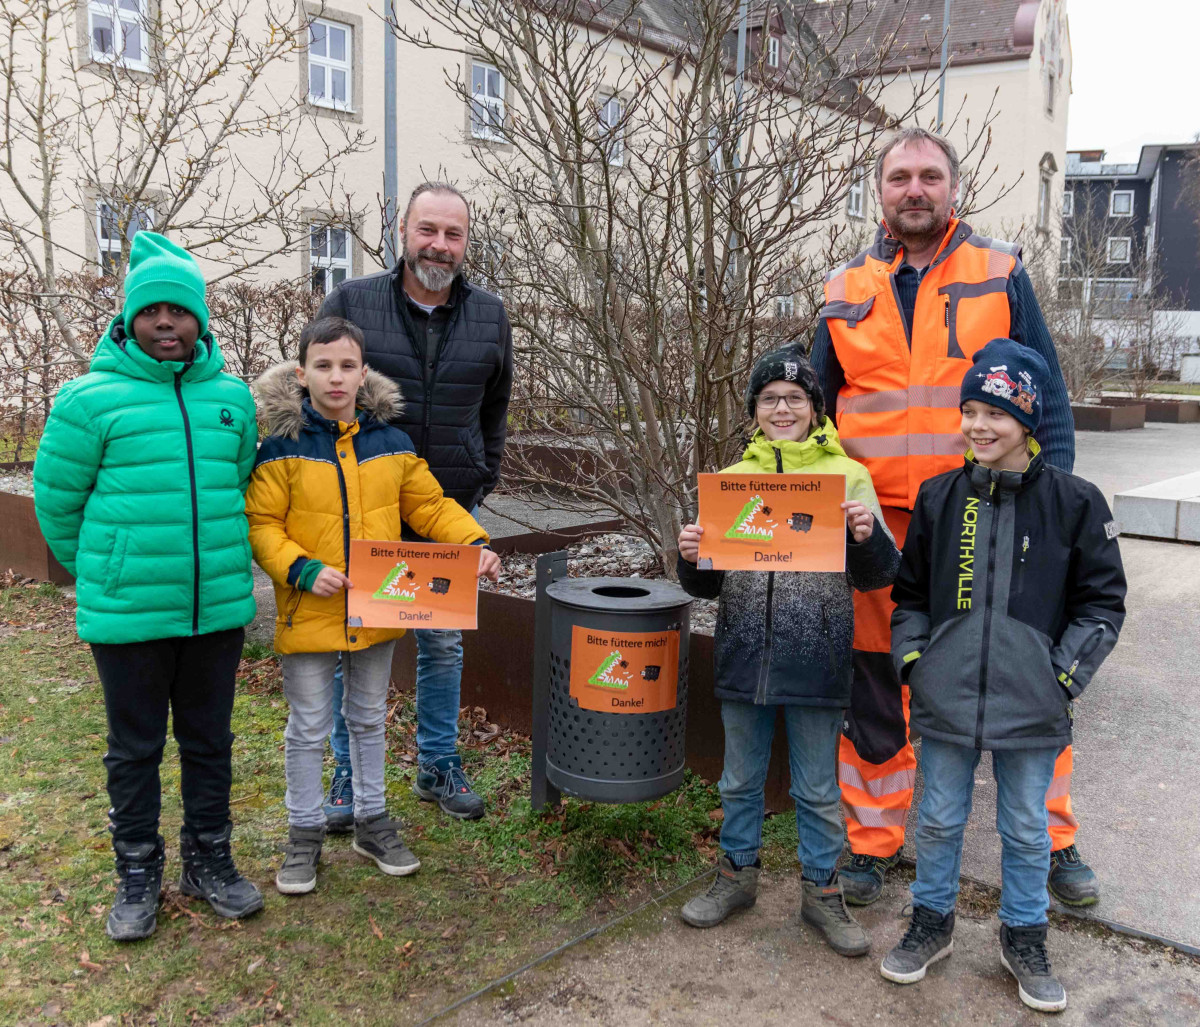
x: 434, y: 277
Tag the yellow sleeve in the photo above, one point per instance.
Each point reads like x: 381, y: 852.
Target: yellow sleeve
x: 428, y: 512
x: 267, y: 502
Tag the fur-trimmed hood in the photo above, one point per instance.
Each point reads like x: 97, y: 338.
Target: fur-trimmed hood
x: 281, y: 398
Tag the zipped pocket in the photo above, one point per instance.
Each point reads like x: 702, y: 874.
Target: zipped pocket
x: 292, y: 607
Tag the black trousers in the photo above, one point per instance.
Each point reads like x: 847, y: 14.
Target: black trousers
x: 193, y: 677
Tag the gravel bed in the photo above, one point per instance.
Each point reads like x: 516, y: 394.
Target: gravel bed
x: 18, y: 482
x: 614, y: 556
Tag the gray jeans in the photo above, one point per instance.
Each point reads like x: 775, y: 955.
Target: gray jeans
x: 308, y: 688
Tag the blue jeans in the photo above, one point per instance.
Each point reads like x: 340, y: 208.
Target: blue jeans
x: 1022, y: 777
x: 812, y: 734
x: 339, y: 737
x: 439, y: 684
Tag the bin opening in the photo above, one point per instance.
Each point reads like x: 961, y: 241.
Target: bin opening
x: 621, y: 591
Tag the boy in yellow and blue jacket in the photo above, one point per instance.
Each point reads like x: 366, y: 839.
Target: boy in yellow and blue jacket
x: 334, y: 469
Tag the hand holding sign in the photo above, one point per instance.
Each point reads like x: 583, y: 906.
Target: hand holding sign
x: 329, y: 581
x: 489, y: 565
x: 859, y: 520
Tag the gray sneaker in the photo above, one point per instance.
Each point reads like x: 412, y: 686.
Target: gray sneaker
x: 298, y: 875
x: 733, y: 888
x: 376, y: 838
x: 1023, y: 954
x: 930, y: 937
x: 823, y: 906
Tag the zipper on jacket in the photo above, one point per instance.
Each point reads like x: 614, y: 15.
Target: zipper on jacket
x: 191, y: 458
x: 987, y: 616
x: 431, y: 379
x: 833, y: 667
x: 345, y: 525
x: 764, y: 668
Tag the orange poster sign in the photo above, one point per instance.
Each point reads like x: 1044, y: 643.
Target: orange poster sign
x: 772, y: 522
x: 624, y: 671
x: 413, y: 585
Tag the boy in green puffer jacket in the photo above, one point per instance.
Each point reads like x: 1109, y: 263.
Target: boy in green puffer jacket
x: 139, y: 488
x: 782, y: 644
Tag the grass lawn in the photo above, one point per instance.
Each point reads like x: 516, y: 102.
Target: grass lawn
x: 363, y: 948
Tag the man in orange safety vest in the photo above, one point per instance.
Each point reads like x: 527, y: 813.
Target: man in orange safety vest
x: 899, y: 327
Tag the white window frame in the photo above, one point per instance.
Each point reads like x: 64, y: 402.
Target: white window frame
x: 108, y: 243
x: 857, y: 196
x: 1108, y: 249
x: 326, y: 264
x: 612, y: 132
x: 1064, y: 252
x: 1110, y: 306
x: 773, y: 52
x: 123, y: 17
x: 1112, y: 203
x: 329, y: 65
x: 484, y: 126
x: 1068, y: 204
x: 1043, y: 207
x: 785, y: 305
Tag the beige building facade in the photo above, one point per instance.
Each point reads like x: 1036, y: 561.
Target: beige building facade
x: 326, y: 91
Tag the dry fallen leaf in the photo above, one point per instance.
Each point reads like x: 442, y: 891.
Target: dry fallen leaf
x: 449, y: 931
x: 375, y: 927
x: 85, y: 960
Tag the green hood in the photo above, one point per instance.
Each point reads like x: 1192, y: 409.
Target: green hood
x: 821, y: 446
x: 119, y: 353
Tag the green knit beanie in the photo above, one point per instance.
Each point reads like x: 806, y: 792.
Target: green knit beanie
x: 161, y: 272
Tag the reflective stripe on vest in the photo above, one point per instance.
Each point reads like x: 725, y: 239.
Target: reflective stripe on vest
x: 898, y: 411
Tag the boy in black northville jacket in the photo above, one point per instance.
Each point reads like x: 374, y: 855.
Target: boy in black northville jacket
x: 1009, y: 596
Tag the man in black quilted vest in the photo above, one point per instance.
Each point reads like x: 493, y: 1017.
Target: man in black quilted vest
x: 448, y: 345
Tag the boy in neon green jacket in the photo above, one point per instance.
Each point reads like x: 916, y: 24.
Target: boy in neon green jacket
x: 783, y: 643
x: 138, y: 486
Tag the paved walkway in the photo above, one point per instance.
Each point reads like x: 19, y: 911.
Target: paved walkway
x: 765, y: 966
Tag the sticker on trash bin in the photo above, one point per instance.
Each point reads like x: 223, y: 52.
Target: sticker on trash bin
x: 772, y: 522
x: 624, y: 671
x: 413, y: 584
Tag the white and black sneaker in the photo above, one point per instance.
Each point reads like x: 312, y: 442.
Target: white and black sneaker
x: 1023, y: 954
x: 376, y: 838
x: 930, y: 937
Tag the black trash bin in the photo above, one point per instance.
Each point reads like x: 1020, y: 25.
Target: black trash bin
x: 618, y: 680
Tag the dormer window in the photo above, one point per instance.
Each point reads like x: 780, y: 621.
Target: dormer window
x: 773, y: 52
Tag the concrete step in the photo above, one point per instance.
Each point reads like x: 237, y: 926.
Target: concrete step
x: 1167, y: 509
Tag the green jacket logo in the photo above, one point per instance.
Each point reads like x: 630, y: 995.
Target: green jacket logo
x: 398, y: 585
x: 226, y: 417
x: 609, y: 673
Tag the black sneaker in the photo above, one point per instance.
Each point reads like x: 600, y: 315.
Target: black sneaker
x: 444, y: 782
x: 339, y: 804
x: 139, y: 882
x: 862, y: 878
x: 1071, y: 880
x: 209, y: 874
x: 930, y: 937
x: 1023, y: 954
x: 298, y: 873
x: 376, y: 838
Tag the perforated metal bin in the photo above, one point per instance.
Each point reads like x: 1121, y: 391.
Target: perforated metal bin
x: 615, y: 730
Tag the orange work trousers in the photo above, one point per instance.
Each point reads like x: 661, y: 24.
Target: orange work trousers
x: 877, y: 767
